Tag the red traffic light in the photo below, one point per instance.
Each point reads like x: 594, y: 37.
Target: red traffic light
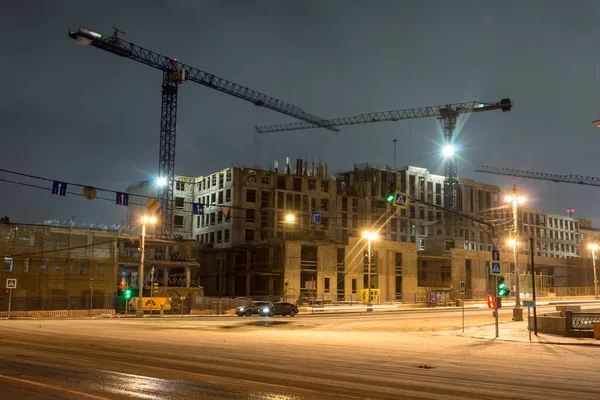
x: 491, y: 301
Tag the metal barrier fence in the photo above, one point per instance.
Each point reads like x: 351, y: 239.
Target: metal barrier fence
x: 583, y: 321
x: 52, y: 303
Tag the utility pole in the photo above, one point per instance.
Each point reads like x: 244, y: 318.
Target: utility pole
x: 515, y: 198
x: 531, y: 250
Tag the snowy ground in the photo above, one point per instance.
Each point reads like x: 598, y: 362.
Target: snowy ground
x: 376, y: 356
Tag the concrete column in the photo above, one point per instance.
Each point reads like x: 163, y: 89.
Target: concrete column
x: 166, y: 269
x: 187, y: 277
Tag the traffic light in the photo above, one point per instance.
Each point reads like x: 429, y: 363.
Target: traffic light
x: 123, y: 286
x: 491, y: 301
x: 502, y: 289
x: 391, y: 192
x: 127, y: 293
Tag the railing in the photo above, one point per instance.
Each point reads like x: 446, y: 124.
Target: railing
x: 583, y: 321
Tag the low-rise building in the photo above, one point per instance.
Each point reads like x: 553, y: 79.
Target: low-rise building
x: 65, y: 267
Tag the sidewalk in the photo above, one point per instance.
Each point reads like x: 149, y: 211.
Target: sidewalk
x: 516, y: 331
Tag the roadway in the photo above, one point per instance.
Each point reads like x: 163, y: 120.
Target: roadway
x: 381, y: 355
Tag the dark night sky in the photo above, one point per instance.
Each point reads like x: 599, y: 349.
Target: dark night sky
x: 79, y: 114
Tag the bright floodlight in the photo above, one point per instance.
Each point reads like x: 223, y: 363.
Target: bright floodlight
x: 513, y: 242
x: 150, y: 220
x: 161, y: 181
x: 522, y: 199
x: 592, y: 246
x: 289, y: 218
x: 448, y: 150
x: 508, y: 198
x: 370, y: 235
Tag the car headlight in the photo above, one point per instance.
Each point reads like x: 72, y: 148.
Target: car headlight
x: 266, y: 310
x: 241, y: 309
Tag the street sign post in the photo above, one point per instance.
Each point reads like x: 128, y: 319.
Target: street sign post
x: 122, y: 199
x: 529, y: 304
x: 59, y: 188
x: 496, y: 255
x: 153, y: 204
x: 316, y: 217
x: 401, y: 200
x: 495, y: 268
x: 198, y: 208
x: 11, y: 284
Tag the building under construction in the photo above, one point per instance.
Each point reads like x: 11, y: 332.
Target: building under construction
x: 64, y: 267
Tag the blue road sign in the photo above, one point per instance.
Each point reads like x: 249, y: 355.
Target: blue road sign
x: 316, y: 217
x: 401, y: 200
x: 59, y: 188
x: 198, y: 208
x: 495, y: 268
x: 496, y: 255
x: 11, y: 283
x: 122, y: 199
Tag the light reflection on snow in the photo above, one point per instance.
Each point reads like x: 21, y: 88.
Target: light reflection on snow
x: 354, y: 308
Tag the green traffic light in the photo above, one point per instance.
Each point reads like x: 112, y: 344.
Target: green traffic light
x: 390, y: 198
x: 127, y: 293
x: 502, y: 291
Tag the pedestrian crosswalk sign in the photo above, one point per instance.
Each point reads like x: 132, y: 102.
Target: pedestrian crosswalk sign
x: 11, y: 283
x: 401, y: 200
x: 495, y: 268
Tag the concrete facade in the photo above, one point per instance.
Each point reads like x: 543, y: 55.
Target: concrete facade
x: 312, y: 270
x: 423, y: 221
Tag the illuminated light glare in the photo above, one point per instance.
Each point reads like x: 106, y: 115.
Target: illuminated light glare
x: 592, y: 246
x: 448, y: 150
x: 289, y: 218
x: 148, y: 220
x: 370, y: 235
x: 513, y: 242
x: 161, y: 181
x: 508, y: 198
x: 522, y: 200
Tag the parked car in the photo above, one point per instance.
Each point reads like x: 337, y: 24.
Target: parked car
x: 280, y: 308
x: 254, y: 307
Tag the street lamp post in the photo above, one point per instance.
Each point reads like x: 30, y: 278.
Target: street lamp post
x: 515, y: 199
x: 369, y: 236
x: 140, y: 312
x: 594, y: 247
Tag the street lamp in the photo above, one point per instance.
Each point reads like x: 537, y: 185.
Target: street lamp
x: 515, y: 198
x: 140, y: 312
x: 448, y: 150
x: 288, y: 219
x: 593, y: 247
x: 369, y: 236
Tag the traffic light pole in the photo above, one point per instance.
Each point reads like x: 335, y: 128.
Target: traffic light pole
x: 496, y: 305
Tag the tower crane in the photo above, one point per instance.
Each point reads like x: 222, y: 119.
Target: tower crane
x: 446, y: 113
x: 576, y: 179
x: 173, y: 74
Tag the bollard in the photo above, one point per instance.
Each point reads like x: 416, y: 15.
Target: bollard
x: 162, y: 308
